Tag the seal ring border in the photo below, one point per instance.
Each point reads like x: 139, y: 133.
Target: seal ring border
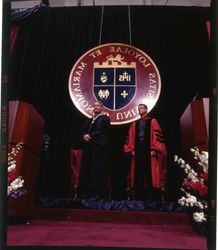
x: 104, y: 45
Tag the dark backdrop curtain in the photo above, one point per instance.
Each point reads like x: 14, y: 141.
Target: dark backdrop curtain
x: 51, y: 40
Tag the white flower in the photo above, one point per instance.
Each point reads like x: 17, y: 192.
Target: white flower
x: 182, y: 201
x: 191, y: 200
x: 176, y: 158
x: 187, y: 167
x: 17, y: 183
x: 192, y: 150
x: 181, y: 161
x: 14, y: 185
x: 192, y: 177
x: 199, y: 216
x: 200, y: 205
x: 11, y: 167
x: 188, y: 201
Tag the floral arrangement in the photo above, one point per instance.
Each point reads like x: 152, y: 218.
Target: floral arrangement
x: 195, y: 188
x: 15, y: 182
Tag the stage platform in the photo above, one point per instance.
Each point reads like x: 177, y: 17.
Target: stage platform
x: 131, y: 217
x: 106, y: 225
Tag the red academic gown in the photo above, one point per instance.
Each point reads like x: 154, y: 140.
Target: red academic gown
x: 158, y: 163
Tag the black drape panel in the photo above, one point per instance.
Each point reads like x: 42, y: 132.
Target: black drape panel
x: 115, y: 26
x: 51, y: 41
x: 47, y: 47
x: 177, y: 40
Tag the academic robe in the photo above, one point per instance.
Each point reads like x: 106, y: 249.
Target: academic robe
x: 157, y: 163
x: 94, y: 164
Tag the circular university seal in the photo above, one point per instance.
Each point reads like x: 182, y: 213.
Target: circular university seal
x: 120, y: 76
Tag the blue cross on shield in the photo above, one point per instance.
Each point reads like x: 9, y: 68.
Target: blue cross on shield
x: 114, y: 85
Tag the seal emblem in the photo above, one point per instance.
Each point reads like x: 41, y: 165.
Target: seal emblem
x: 120, y: 76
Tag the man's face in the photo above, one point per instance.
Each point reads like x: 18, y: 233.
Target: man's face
x: 142, y: 110
x: 97, y: 108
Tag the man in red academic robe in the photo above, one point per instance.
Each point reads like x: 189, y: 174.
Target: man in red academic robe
x: 146, y: 144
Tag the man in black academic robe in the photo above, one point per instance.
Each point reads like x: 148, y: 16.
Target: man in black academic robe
x: 93, y: 179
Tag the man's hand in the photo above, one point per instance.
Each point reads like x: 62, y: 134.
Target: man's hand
x: 87, y: 138
x: 153, y: 152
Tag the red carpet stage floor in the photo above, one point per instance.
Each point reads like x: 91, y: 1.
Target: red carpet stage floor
x: 93, y: 228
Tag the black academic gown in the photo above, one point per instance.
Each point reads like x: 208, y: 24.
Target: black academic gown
x: 94, y: 165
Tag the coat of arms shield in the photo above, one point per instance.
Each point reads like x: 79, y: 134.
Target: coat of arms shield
x: 114, y: 82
